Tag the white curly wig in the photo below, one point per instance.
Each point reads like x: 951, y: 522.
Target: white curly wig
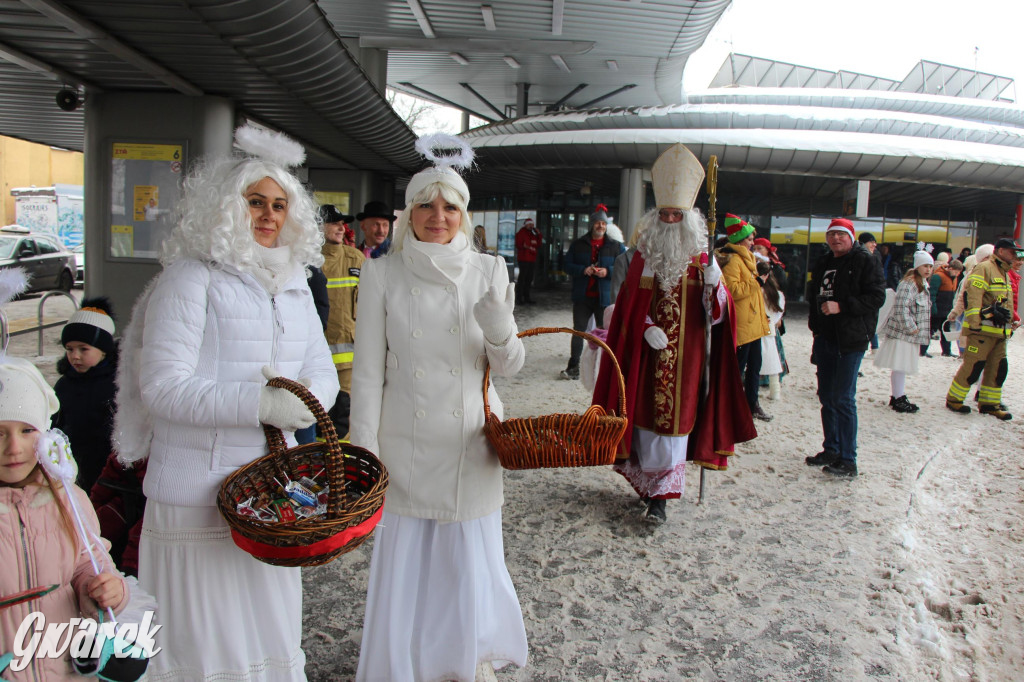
x: 403, y: 226
x: 215, y: 224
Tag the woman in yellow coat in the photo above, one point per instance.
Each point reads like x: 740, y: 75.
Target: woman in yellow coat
x: 739, y: 274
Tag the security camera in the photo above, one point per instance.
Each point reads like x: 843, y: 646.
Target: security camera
x: 68, y: 99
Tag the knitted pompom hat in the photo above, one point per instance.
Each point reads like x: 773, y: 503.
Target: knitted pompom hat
x: 737, y: 228
x: 92, y: 324
x: 922, y: 258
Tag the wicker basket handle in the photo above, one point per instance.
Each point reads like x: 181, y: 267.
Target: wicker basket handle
x: 537, y: 331
x: 335, y: 456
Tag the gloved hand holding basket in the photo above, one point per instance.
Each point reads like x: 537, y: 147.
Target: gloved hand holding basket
x: 558, y: 440
x: 307, y: 505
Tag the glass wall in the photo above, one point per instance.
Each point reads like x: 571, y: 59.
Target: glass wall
x: 796, y: 228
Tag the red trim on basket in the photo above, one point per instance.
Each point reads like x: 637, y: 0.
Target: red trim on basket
x: 260, y: 549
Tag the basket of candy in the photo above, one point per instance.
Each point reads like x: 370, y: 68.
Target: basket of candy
x: 307, y: 505
x: 558, y: 440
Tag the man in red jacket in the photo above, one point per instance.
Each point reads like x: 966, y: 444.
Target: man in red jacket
x: 528, y: 241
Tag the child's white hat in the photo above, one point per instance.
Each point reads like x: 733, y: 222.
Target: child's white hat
x: 24, y: 394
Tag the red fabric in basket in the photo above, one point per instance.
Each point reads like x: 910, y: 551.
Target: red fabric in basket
x: 260, y: 549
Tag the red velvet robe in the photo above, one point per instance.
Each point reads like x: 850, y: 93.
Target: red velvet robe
x: 664, y: 388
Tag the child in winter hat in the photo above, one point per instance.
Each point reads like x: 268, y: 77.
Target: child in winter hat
x: 86, y: 387
x: 43, y: 542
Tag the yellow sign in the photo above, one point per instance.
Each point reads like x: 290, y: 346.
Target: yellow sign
x: 122, y: 241
x: 147, y: 152
x: 340, y: 200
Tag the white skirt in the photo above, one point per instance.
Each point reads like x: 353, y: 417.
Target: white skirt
x: 770, y: 362
x: 225, y: 615
x: 894, y: 354
x: 440, y: 601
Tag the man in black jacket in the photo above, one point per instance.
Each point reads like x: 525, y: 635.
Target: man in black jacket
x: 847, y: 289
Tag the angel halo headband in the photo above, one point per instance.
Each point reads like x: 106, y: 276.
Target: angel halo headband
x: 270, y: 146
x: 430, y: 146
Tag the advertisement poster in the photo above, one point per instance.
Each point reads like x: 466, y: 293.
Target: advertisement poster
x: 145, y: 187
x: 147, y: 203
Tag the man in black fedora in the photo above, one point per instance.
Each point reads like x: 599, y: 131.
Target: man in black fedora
x: 375, y: 223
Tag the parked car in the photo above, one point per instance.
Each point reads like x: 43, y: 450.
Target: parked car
x: 48, y: 264
x: 79, y: 252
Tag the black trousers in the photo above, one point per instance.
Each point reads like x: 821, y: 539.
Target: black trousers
x: 524, y: 282
x: 581, y: 312
x: 339, y: 414
x: 749, y: 357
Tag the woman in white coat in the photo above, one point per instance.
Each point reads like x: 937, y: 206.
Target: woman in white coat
x: 231, y: 308
x: 433, y: 314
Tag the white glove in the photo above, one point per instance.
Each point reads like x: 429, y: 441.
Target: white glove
x: 656, y: 338
x: 494, y: 314
x: 282, y: 408
x: 712, y: 273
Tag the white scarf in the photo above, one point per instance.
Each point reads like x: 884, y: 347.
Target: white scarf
x: 275, y: 268
x: 449, y: 259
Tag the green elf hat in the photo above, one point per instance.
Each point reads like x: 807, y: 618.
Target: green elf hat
x: 737, y: 228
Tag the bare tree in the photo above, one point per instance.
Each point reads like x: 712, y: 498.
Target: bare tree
x: 424, y: 116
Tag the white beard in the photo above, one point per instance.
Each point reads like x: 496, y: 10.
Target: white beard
x: 669, y: 247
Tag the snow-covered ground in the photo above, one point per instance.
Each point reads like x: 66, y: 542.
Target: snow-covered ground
x: 906, y: 573
x: 909, y: 572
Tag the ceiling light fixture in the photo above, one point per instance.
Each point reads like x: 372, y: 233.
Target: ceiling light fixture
x: 557, y: 14
x: 459, y: 58
x: 488, y: 13
x: 511, y: 61
x: 612, y: 65
x: 557, y: 59
x: 421, y: 18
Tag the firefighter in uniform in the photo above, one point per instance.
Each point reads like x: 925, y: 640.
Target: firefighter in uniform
x: 988, y: 323
x: 342, y: 264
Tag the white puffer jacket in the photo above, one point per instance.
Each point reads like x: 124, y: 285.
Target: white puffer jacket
x: 208, y: 333
x: 417, y: 380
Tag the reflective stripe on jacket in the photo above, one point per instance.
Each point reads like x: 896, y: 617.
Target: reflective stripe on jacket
x: 342, y: 266
x: 986, y: 285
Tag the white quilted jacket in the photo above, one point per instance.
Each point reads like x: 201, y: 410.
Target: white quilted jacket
x: 417, y: 381
x: 208, y: 332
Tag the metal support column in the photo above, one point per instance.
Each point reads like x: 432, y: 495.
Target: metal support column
x: 631, y: 199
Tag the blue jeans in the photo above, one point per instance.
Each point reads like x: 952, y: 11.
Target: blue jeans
x: 837, y: 391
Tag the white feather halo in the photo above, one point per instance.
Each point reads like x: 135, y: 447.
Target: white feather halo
x: 266, y: 144
x: 13, y: 281
x: 430, y: 145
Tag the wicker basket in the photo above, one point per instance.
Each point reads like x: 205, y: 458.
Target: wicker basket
x: 357, y: 483
x: 558, y: 440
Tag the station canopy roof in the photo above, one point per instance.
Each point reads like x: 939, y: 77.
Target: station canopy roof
x: 302, y: 66
x: 786, y: 131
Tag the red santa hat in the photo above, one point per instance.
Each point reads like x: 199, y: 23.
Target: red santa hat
x: 842, y: 224
x: 528, y: 222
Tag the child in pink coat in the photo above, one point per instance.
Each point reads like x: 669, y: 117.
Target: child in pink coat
x: 38, y: 542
